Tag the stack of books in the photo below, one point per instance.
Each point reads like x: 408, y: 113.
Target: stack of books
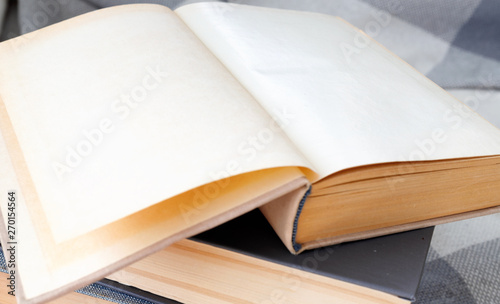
x: 133, y: 128
x: 244, y: 261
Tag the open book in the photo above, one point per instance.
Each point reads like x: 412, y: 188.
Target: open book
x: 127, y: 129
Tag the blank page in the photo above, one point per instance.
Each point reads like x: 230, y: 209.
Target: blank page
x: 119, y: 109
x: 353, y: 102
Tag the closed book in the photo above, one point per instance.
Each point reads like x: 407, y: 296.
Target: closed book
x: 244, y: 261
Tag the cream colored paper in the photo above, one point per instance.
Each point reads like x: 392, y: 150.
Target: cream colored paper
x: 354, y: 103
x: 120, y: 109
x: 46, y: 269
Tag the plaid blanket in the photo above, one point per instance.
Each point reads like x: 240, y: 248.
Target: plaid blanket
x: 454, y: 43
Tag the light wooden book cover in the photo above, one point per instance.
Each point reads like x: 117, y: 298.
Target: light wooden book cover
x: 129, y: 128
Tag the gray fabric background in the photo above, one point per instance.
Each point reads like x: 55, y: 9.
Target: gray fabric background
x: 454, y: 43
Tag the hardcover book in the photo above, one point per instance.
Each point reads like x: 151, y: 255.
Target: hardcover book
x: 244, y: 261
x: 130, y: 128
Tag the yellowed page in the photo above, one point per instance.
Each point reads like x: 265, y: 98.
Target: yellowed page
x: 119, y: 109
x: 354, y: 103
x: 45, y: 269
